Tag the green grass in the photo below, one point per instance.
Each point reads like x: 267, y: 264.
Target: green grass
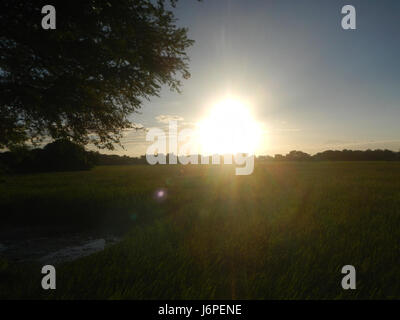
x: 283, y: 232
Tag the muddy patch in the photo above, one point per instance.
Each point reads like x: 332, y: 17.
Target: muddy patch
x: 40, y: 246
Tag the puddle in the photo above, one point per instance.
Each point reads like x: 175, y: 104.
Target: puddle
x: 33, y: 246
x: 75, y: 252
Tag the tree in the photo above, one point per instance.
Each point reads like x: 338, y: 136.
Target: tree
x: 63, y: 155
x: 297, y: 156
x: 81, y: 81
x: 60, y: 155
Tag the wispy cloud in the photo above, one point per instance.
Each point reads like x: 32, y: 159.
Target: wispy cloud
x: 365, y: 144
x: 286, y: 130
x: 166, y: 118
x: 136, y: 127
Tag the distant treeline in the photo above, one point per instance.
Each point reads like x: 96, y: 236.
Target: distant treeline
x: 63, y: 155
x: 329, y: 155
x: 113, y: 159
x: 337, y: 155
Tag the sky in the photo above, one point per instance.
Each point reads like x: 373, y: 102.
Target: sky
x: 312, y: 85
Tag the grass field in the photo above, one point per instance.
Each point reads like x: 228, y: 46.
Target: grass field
x: 283, y: 232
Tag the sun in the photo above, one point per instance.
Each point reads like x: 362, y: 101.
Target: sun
x: 229, y: 128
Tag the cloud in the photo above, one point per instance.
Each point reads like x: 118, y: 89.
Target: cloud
x: 166, y: 118
x: 338, y: 142
x: 276, y: 130
x: 136, y: 128
x: 189, y: 123
x: 371, y: 142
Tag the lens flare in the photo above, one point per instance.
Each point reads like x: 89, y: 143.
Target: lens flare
x: 160, y: 194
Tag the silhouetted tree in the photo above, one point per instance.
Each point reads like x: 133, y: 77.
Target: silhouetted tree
x: 82, y: 80
x: 297, y: 156
x: 63, y: 155
x: 60, y: 155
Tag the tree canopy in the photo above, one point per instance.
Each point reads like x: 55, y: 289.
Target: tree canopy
x: 82, y: 80
x: 60, y: 155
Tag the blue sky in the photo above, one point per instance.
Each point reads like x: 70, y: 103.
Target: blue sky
x: 313, y: 85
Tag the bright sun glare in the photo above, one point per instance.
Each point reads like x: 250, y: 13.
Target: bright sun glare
x: 229, y: 128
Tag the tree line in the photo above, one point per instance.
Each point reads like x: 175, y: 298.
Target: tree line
x: 60, y: 155
x: 64, y: 155
x: 337, y: 155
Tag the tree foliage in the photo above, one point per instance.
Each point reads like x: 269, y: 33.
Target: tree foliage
x: 82, y: 81
x: 60, y: 155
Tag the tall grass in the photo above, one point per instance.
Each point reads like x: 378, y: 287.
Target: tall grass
x: 283, y: 232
